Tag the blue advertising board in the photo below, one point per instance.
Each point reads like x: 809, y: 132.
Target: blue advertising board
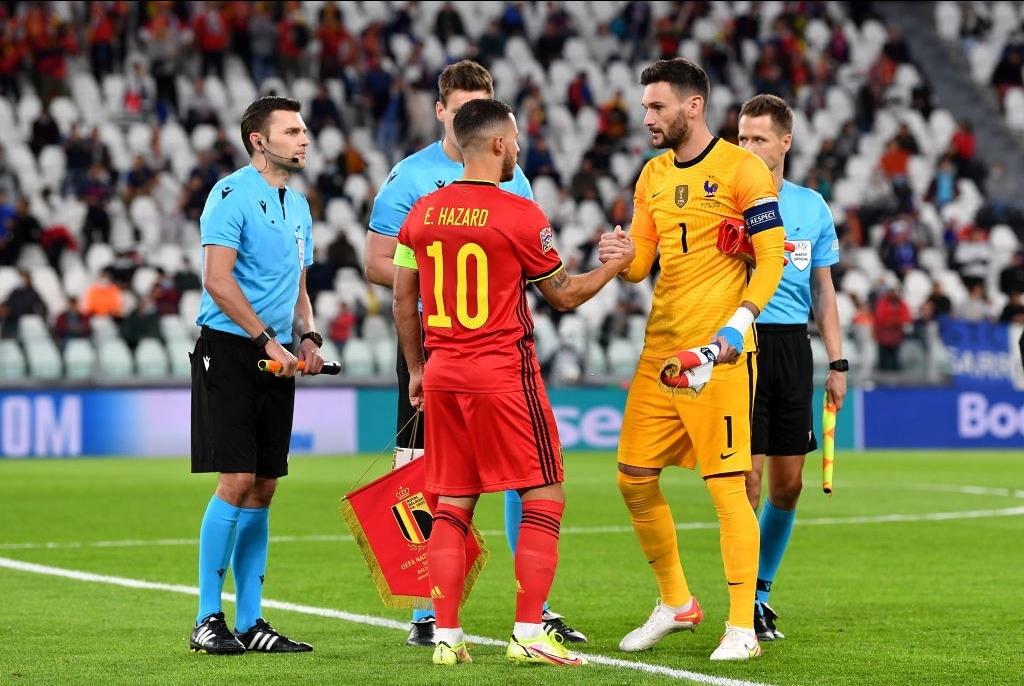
x: 943, y: 418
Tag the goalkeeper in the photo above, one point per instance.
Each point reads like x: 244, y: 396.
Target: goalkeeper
x: 702, y: 295
x: 783, y: 416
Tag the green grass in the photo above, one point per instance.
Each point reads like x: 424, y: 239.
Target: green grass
x: 875, y: 589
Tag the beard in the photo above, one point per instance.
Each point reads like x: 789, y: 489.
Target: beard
x: 677, y: 134
x: 508, y: 167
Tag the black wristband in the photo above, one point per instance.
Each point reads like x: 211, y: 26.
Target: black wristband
x: 264, y: 337
x: 839, y: 365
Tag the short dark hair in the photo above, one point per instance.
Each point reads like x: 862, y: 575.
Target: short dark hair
x: 464, y: 75
x: 766, y: 104
x: 257, y: 114
x: 685, y: 76
x: 478, y: 118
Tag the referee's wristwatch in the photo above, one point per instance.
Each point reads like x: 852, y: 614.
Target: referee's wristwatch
x: 840, y: 365
x: 317, y: 339
x: 264, y: 337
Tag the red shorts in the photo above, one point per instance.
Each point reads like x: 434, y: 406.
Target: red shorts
x: 487, y: 442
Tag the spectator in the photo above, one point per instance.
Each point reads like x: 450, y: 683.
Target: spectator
x: 13, y: 58
x: 937, y: 305
x: 71, y: 323
x: 186, y: 278
x: 976, y: 307
x: 899, y: 250
x: 1011, y: 277
x: 891, y: 318
x: 23, y: 299
x: 491, y: 45
x: 448, y: 23
x: 96, y: 193
x: 341, y: 253
x: 894, y: 163
x: 1002, y: 193
x: 211, y: 34
x: 8, y: 178
x: 324, y: 112
x: 8, y: 256
x: 163, y: 39
x: 1007, y: 74
x: 141, y: 321
x: 45, y: 131
x: 972, y: 255
x: 164, y: 294
x: 139, y: 180
x: 342, y: 326
x: 139, y: 94
x: 103, y: 297
x: 1013, y: 311
x: 613, y: 119
x: 539, y: 160
x: 24, y: 228
x: 198, y: 107
x: 262, y: 45
x: 942, y: 189
x: 579, y: 94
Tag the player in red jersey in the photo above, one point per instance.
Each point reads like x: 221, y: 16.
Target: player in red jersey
x: 469, y: 251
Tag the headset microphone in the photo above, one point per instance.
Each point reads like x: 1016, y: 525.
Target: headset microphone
x: 293, y: 160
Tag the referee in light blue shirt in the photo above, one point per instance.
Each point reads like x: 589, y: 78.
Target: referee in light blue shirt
x: 257, y: 242
x: 782, y: 427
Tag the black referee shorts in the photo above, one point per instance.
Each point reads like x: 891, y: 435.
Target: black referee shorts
x: 241, y: 416
x: 410, y: 426
x: 783, y: 421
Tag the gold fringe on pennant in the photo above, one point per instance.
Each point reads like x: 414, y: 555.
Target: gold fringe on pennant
x: 389, y: 599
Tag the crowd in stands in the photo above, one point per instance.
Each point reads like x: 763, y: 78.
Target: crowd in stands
x: 116, y: 118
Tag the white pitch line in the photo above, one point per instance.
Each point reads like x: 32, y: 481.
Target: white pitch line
x: 569, y: 530
x: 695, y: 677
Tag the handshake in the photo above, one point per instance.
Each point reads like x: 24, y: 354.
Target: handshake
x: 734, y: 240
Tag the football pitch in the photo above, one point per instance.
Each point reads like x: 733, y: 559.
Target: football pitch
x: 909, y: 573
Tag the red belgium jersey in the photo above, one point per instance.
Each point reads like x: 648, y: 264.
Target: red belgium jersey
x: 476, y: 249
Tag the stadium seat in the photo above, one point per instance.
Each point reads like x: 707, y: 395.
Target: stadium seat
x: 358, y: 358
x: 44, y: 359
x: 12, y: 360
x: 623, y: 354
x: 179, y: 363
x: 79, y: 359
x: 115, y: 359
x: 377, y: 329
x: 151, y: 359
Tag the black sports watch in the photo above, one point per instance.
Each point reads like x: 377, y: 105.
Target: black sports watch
x: 264, y: 337
x: 840, y: 365
x: 317, y: 339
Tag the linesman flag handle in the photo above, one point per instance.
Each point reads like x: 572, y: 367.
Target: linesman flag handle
x: 828, y: 445
x: 274, y: 366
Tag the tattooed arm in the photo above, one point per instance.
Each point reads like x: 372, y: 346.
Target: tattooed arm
x: 568, y: 291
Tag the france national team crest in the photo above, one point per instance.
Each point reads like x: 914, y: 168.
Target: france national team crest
x: 547, y: 239
x: 682, y: 195
x: 801, y: 255
x: 413, y: 516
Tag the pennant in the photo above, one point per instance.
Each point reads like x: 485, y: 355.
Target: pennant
x: 390, y: 519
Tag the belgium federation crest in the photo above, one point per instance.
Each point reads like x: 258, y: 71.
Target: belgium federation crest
x: 413, y: 516
x: 682, y: 195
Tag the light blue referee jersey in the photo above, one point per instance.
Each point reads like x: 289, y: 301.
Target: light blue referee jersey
x: 272, y: 232
x: 811, y: 229
x: 421, y: 173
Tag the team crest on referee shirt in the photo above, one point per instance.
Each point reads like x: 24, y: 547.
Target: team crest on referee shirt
x: 547, y: 239
x: 682, y: 195
x: 413, y: 516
